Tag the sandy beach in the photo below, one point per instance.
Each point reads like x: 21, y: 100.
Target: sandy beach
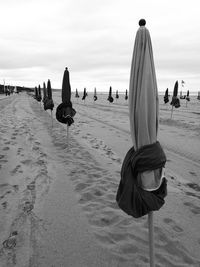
x: 57, y: 192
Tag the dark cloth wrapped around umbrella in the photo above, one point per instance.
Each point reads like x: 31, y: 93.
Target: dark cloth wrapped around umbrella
x: 130, y: 197
x: 48, y: 104
x: 110, y: 99
x: 175, y: 102
x: 65, y: 113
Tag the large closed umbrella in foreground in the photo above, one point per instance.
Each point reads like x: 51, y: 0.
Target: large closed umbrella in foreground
x: 65, y: 111
x: 142, y: 186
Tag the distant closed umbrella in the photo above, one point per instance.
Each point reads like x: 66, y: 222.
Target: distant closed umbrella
x: 141, y: 189
x: 181, y: 95
x: 49, y: 90
x: 76, y: 94
x: 198, y: 95
x: 188, y: 95
x: 36, y: 93
x: 39, y: 97
x: 166, y: 96
x: 65, y: 111
x: 44, y: 92
x: 84, y: 94
x: 95, y: 94
x: 126, y: 95
x: 49, y: 104
x: 110, y: 98
x: 175, y: 100
x: 117, y: 94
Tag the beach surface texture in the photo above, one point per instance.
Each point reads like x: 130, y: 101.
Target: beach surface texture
x: 57, y: 191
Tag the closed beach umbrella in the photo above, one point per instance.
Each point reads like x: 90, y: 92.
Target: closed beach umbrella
x: 76, y: 94
x: 117, y: 94
x: 198, y: 95
x: 166, y: 96
x: 44, y: 92
x: 48, y: 103
x: 141, y: 189
x: 39, y: 97
x: 175, y: 100
x: 110, y: 98
x: 175, y: 92
x: 49, y: 90
x: 188, y: 95
x: 126, y: 95
x: 66, y: 88
x: 95, y: 94
x: 84, y: 94
x: 65, y: 111
x: 36, y: 93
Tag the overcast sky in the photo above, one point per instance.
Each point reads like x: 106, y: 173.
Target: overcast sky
x: 95, y: 39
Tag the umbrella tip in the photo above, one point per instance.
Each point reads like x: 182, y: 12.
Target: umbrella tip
x: 142, y: 22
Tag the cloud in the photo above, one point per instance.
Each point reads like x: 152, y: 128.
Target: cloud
x: 95, y: 40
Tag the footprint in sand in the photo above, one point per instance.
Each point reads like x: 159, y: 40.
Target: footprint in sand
x: 17, y: 169
x: 194, y: 186
x: 26, y: 162
x: 11, y: 242
x: 19, y: 150
x: 173, y: 224
x: 35, y: 148
x: 15, y: 133
x: 194, y: 209
x: 7, y: 143
x: 193, y: 173
x: 5, y: 148
x: 4, y: 204
x: 192, y: 194
x: 3, y: 160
